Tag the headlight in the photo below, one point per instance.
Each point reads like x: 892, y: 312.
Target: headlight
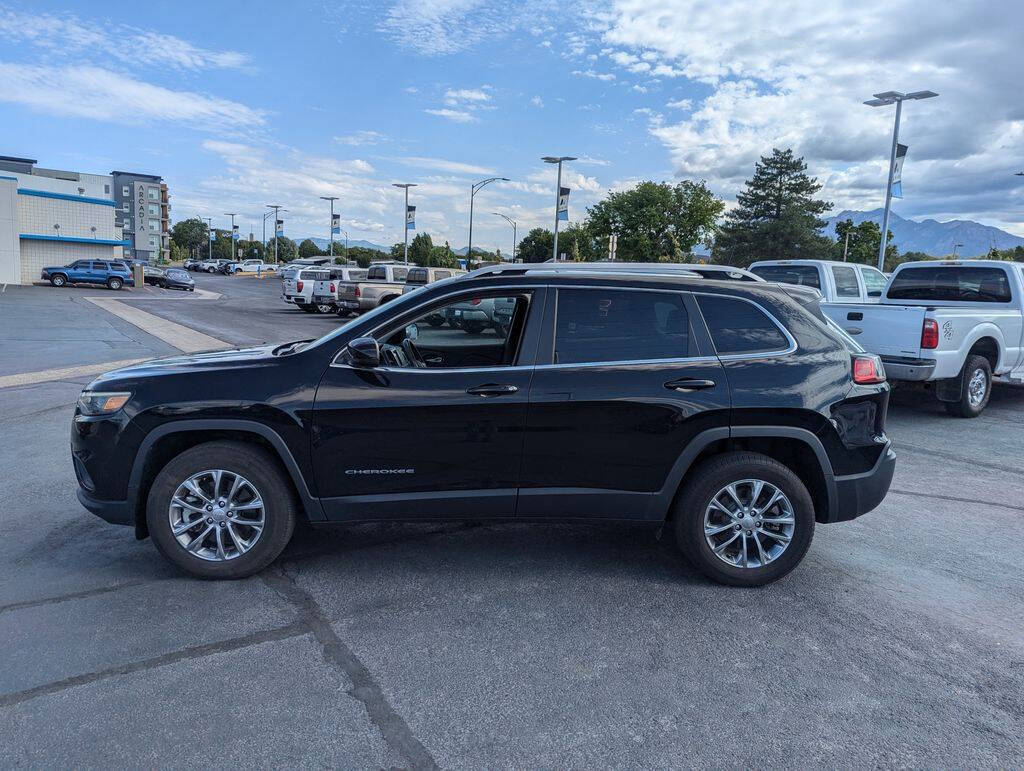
x: 102, y: 402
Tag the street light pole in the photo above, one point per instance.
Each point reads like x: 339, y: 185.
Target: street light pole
x: 405, y: 217
x: 880, y: 100
x: 232, y: 234
x: 473, y: 190
x: 955, y: 247
x: 558, y: 194
x: 277, y: 210
x: 209, y: 241
x: 514, y: 225
x: 332, y: 199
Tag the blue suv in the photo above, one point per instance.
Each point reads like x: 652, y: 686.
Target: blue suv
x: 109, y: 273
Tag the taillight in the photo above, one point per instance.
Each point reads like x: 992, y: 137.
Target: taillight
x: 475, y: 301
x: 867, y: 369
x: 333, y: 290
x: 930, y: 334
x: 298, y: 286
x: 358, y: 293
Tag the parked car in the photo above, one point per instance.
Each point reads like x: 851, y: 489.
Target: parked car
x: 418, y: 277
x: 176, y: 278
x: 191, y: 264
x: 841, y: 282
x: 957, y: 324
x: 299, y: 289
x: 290, y: 269
x: 212, y: 266
x: 384, y: 283
x: 329, y: 281
x: 109, y: 273
x: 722, y: 411
x: 257, y: 266
x: 229, y: 268
x: 152, y: 275
x: 722, y: 272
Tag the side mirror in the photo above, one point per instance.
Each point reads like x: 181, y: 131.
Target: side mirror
x: 412, y: 332
x: 365, y: 352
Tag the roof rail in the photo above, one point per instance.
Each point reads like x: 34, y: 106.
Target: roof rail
x: 601, y: 268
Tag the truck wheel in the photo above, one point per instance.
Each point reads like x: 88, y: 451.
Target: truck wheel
x: 58, y: 280
x: 324, y: 308
x: 221, y: 510
x: 975, y: 388
x: 744, y: 519
x: 114, y: 283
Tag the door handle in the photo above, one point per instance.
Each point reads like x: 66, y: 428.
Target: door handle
x: 853, y: 330
x: 492, y: 390
x: 689, y: 384
x: 433, y: 360
x: 854, y: 316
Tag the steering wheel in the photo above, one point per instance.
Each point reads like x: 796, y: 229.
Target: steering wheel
x: 413, y: 353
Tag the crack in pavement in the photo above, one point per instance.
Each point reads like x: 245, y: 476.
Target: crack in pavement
x: 192, y: 652
x: 77, y: 595
x: 958, y: 458
x: 393, y: 728
x: 955, y: 499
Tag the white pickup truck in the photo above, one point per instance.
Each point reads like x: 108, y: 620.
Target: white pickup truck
x: 958, y: 324
x: 842, y: 282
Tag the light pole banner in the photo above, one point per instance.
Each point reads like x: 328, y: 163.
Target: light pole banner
x: 279, y: 229
x: 234, y: 233
x: 897, y: 172
x: 410, y: 217
x: 563, y: 203
x: 335, y: 223
x: 213, y: 235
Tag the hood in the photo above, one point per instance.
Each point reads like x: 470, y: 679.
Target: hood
x: 187, y: 363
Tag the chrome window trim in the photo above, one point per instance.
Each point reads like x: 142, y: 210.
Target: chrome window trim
x: 751, y: 354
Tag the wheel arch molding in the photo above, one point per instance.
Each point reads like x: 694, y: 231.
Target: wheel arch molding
x: 143, y: 472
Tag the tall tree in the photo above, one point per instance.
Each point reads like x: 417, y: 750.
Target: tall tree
x: 308, y: 248
x: 863, y: 243
x: 443, y: 257
x: 536, y: 245
x: 777, y: 215
x: 656, y: 222
x: 420, y: 249
x: 191, y: 233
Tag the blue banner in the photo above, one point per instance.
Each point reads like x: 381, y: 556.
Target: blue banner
x: 279, y: 229
x: 563, y: 203
x: 410, y: 218
x: 213, y: 235
x: 234, y: 233
x: 897, y: 172
x: 335, y: 224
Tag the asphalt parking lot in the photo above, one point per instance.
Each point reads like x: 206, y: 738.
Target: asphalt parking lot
x: 898, y: 642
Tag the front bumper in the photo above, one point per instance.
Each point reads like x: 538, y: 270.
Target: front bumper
x: 114, y: 512
x: 857, y: 494
x: 908, y: 369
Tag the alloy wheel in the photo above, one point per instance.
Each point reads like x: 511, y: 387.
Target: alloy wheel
x: 749, y: 523
x: 976, y: 387
x: 216, y: 515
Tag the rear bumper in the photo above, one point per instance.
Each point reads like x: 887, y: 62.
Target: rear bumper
x: 324, y: 299
x: 858, y: 494
x: 908, y: 369
x: 114, y: 512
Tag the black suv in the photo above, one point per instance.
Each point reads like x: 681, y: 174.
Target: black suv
x: 729, y: 411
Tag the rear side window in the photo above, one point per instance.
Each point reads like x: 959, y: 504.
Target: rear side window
x: 400, y: 273
x: 846, y: 281
x: 953, y: 283
x: 801, y: 275
x: 377, y: 273
x: 874, y: 281
x: 595, y: 325
x: 442, y: 274
x: 356, y: 275
x: 417, y: 276
x: 739, y: 327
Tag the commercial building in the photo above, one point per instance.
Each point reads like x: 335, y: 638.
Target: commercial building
x: 53, y: 217
x: 143, y: 213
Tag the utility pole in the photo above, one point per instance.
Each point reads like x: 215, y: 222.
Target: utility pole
x: 233, y: 247
x: 209, y: 241
x: 846, y: 245
x: 514, y: 225
x: 558, y: 194
x: 405, y: 217
x: 473, y: 190
x: 880, y: 100
x: 277, y: 209
x: 332, y: 199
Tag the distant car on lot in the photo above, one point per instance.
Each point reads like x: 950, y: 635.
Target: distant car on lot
x: 256, y: 266
x: 109, y: 273
x: 721, y: 411
x: 228, y: 268
x: 212, y: 266
x: 418, y: 278
x: 176, y: 278
x: 191, y: 264
x: 153, y: 275
x: 329, y: 281
x: 384, y: 283
x: 288, y: 270
x: 298, y: 289
x: 838, y: 282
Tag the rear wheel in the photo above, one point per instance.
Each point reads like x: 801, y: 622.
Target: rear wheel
x: 114, y: 283
x: 975, y: 388
x: 744, y: 519
x: 59, y: 280
x: 221, y: 510
x: 324, y: 308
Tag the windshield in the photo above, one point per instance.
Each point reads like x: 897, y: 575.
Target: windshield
x: 801, y: 275
x: 951, y: 284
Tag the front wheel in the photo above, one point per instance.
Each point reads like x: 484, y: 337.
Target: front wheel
x: 221, y: 510
x: 114, y: 283
x: 744, y: 519
x: 975, y: 388
x: 324, y: 308
x: 59, y: 281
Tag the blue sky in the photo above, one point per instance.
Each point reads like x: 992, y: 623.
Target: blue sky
x: 242, y: 104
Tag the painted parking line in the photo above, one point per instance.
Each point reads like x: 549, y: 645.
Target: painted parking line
x: 63, y: 373
x: 183, y: 338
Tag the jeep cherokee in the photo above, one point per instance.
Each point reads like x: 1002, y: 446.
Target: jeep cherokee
x: 728, y: 412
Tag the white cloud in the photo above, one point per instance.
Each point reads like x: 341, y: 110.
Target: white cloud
x: 454, y: 96
x: 537, y: 101
x: 605, y: 76
x: 458, y: 116
x: 67, y: 35
x: 94, y: 92
x: 360, y: 138
x: 443, y: 27
x: 440, y: 164
x: 680, y: 104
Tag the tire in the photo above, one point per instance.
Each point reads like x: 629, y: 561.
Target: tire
x: 114, y: 283
x: 59, y: 280
x: 970, y: 405
x: 265, y: 476
x: 704, y: 484
x: 324, y: 308
x: 307, y: 308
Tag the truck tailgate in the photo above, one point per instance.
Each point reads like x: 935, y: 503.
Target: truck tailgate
x: 888, y: 330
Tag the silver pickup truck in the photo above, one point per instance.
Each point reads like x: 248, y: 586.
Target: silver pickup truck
x: 331, y: 281
x: 384, y: 282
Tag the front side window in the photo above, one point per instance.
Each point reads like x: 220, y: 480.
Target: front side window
x: 801, y: 275
x: 442, y: 274
x: 953, y: 283
x: 874, y: 281
x: 400, y: 274
x: 100, y: 266
x: 739, y: 327
x: 603, y: 325
x: 357, y: 275
x: 846, y: 281
x: 482, y: 331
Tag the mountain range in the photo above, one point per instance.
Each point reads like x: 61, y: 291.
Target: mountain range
x: 933, y: 237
